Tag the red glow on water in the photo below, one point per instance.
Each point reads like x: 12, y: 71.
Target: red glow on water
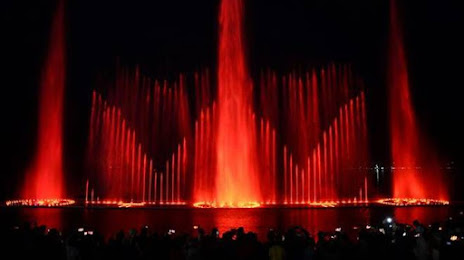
x: 44, y: 179
x: 237, y: 177
x: 408, y: 146
x: 240, y: 204
x: 411, y: 202
x: 39, y: 202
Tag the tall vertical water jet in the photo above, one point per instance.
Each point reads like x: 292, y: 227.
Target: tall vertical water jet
x: 236, y: 176
x: 44, y: 179
x: 417, y: 173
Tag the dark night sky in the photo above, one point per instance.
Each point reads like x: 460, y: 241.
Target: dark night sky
x: 168, y: 37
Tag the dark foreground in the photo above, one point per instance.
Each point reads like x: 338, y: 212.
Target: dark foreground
x: 388, y: 240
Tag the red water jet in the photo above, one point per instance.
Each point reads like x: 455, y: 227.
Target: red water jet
x: 325, y: 133
x: 237, y: 169
x: 44, y: 179
x: 127, y: 160
x: 231, y: 158
x: 417, y: 174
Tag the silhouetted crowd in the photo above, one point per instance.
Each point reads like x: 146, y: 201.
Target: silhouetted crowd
x: 388, y: 240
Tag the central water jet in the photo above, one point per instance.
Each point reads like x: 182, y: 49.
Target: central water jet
x: 236, y: 168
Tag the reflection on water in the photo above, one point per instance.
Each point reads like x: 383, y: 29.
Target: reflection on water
x: 41, y: 216
x: 109, y: 221
x: 425, y: 215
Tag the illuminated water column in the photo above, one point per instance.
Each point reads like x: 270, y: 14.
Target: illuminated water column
x: 237, y: 168
x: 409, y: 148
x: 44, y: 179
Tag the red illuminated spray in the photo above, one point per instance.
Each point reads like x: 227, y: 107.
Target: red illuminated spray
x: 408, y: 147
x: 44, y: 179
x: 123, y: 150
x: 237, y: 179
x: 234, y: 140
x: 324, y: 131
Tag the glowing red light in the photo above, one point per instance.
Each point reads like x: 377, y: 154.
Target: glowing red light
x: 237, y: 168
x: 44, y: 179
x: 411, y: 202
x: 409, y: 148
x: 40, y: 202
x: 250, y: 204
